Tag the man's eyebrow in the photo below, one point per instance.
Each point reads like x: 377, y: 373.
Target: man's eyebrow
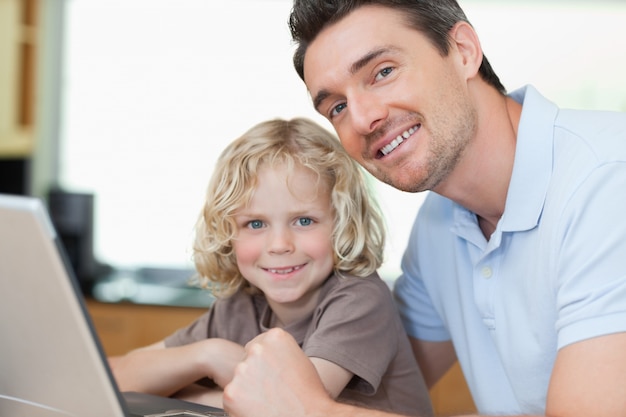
x: 319, y: 98
x: 363, y: 61
x: 354, y: 68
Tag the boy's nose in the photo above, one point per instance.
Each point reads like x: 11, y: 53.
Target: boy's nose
x: 281, y: 241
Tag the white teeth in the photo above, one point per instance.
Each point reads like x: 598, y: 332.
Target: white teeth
x: 398, y: 140
x: 283, y: 271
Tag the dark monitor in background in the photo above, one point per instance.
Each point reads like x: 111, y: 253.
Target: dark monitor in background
x: 72, y: 216
x: 15, y: 176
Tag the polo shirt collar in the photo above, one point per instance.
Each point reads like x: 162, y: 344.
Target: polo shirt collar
x: 532, y: 170
x: 532, y: 167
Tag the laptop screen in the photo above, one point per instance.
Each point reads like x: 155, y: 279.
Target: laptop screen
x: 50, y: 360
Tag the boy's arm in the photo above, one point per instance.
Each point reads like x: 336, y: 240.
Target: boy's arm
x: 163, y: 371
x: 200, y: 394
x: 433, y: 358
x: 278, y: 380
x: 334, y: 377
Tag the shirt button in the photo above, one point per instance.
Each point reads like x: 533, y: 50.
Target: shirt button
x: 487, y: 272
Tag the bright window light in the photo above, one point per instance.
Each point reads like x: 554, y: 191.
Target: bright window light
x: 155, y: 89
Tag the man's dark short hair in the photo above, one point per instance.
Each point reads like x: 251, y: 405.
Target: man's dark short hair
x: 433, y: 18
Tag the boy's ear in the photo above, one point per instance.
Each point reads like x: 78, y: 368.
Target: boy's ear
x: 465, y: 40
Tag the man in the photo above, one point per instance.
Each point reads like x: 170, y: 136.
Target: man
x: 516, y: 264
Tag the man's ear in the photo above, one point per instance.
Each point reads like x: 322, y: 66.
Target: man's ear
x: 464, y: 39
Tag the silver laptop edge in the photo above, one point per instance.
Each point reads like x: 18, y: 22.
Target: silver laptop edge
x: 51, y: 359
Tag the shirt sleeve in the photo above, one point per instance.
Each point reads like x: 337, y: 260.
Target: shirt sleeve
x: 419, y: 316
x: 235, y: 318
x: 194, y: 332
x: 591, y: 287
x: 357, y: 327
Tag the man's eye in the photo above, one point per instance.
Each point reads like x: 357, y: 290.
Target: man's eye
x: 255, y: 224
x: 383, y: 73
x: 337, y: 109
x: 305, y: 221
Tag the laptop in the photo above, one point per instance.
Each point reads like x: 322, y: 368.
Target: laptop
x: 51, y: 360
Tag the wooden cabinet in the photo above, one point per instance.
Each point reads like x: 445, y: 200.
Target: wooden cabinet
x: 18, y: 55
x: 18, y: 51
x: 451, y: 396
x: 124, y: 326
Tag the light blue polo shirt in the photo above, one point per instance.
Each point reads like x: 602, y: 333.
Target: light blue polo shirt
x: 553, y: 272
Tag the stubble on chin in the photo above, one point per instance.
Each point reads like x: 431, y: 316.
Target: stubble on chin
x: 404, y: 176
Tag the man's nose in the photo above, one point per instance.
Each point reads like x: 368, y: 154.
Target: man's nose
x: 366, y: 111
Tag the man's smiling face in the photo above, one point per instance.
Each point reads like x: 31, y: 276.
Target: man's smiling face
x: 400, y: 108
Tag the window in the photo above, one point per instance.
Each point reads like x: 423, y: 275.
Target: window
x: 154, y: 89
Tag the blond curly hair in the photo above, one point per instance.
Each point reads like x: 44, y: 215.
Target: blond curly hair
x: 358, y: 237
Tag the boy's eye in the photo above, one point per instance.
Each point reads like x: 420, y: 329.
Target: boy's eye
x: 337, y: 109
x: 384, y: 73
x: 255, y: 224
x: 305, y: 221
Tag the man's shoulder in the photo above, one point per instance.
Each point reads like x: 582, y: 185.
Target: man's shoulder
x: 596, y: 123
x: 599, y: 134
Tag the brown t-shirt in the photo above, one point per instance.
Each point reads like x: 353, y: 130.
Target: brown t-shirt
x: 354, y: 325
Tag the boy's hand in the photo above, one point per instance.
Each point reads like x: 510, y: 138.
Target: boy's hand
x: 276, y: 379
x: 223, y: 357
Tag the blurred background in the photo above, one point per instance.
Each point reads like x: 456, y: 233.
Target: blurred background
x: 127, y: 103
x: 115, y: 111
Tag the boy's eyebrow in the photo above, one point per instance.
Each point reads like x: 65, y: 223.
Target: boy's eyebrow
x: 354, y: 68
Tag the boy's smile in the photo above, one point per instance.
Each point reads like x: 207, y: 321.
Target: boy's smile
x: 283, y: 244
